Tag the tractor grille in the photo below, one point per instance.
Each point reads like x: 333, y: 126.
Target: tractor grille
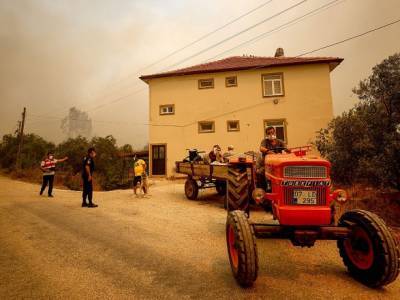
x: 305, y: 172
x: 289, y: 199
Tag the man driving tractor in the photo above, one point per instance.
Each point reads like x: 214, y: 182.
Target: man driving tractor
x: 271, y: 144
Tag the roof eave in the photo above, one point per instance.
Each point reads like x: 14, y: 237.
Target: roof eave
x: 332, y: 65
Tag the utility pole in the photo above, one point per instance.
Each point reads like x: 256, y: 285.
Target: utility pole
x: 21, y: 139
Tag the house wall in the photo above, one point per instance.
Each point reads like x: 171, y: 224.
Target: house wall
x: 306, y: 107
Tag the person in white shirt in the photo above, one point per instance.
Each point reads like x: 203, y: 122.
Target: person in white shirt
x: 48, y: 167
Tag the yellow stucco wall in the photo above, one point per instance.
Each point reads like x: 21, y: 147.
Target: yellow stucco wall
x: 306, y: 107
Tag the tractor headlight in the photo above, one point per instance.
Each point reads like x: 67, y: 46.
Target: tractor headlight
x: 258, y: 195
x: 340, y: 196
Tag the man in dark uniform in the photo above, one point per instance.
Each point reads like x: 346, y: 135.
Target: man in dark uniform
x: 87, y: 173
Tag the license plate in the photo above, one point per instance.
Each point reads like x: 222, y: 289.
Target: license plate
x: 305, y: 197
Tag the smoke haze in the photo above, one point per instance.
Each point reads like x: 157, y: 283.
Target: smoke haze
x: 59, y: 54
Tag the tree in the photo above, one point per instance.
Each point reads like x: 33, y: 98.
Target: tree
x: 363, y: 144
x: 108, y: 162
x: 32, y: 152
x: 383, y: 86
x: 75, y: 149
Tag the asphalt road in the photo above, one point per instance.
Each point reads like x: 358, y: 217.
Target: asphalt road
x: 164, y: 247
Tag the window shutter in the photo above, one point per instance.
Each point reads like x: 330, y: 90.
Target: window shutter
x: 268, y: 88
x: 277, y: 87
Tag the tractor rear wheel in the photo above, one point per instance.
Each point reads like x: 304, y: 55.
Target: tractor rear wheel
x: 242, y: 248
x: 238, y: 196
x: 371, y: 252
x: 191, y: 189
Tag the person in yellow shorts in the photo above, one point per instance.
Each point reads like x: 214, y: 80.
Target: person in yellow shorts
x: 140, y: 177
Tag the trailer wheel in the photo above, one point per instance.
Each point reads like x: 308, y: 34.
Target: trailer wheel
x: 191, y: 189
x: 220, y: 186
x: 242, y: 248
x: 370, y: 253
x: 238, y: 196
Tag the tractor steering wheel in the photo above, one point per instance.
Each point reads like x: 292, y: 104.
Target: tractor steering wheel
x: 278, y: 150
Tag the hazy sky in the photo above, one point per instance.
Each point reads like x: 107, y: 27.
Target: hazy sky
x: 56, y: 54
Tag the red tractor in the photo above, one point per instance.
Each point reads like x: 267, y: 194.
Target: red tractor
x: 297, y: 188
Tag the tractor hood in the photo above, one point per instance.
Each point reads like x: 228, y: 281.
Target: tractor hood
x: 279, y: 160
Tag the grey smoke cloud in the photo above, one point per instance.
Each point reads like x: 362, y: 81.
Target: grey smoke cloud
x: 58, y: 54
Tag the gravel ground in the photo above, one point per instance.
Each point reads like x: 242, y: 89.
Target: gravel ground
x: 162, y: 247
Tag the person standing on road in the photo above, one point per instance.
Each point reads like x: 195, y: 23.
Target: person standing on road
x: 87, y: 178
x: 140, y: 176
x: 48, y: 166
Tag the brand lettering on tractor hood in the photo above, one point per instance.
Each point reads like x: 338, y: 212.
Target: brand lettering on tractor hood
x: 311, y: 183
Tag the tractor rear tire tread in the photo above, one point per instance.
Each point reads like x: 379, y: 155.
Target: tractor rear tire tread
x: 238, y: 190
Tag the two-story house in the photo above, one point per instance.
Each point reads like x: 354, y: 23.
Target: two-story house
x: 231, y: 102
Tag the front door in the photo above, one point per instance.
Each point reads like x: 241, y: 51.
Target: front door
x: 158, y: 154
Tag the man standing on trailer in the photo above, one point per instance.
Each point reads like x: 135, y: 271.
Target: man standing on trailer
x: 48, y: 166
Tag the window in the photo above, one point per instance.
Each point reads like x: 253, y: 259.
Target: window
x: 233, y: 125
x: 280, y: 128
x: 272, y: 85
x: 168, y: 109
x: 231, y: 81
x: 206, y: 126
x: 206, y: 83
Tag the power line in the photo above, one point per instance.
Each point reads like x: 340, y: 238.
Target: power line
x: 235, y: 35
x: 43, y: 118
x: 194, y: 42
x: 305, y: 53
x: 281, y: 27
x: 351, y: 38
x: 214, y: 45
x: 117, y: 99
x: 197, y: 40
x: 207, y: 35
x: 285, y: 25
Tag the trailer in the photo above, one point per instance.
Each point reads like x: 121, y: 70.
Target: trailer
x: 202, y: 176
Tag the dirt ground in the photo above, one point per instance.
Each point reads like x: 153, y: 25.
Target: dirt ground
x: 162, y: 247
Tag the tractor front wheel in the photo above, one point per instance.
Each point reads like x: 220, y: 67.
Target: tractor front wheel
x: 191, y: 189
x: 242, y: 248
x: 371, y: 252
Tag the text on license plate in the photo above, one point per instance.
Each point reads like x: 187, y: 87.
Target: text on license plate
x: 305, y: 197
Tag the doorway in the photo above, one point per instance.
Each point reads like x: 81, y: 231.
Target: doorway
x: 158, y: 160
